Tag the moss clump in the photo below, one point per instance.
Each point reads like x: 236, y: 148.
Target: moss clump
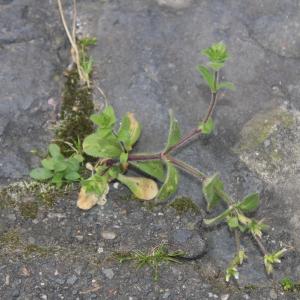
x: 184, y: 204
x: 258, y: 129
x: 10, y: 240
x: 29, y: 210
x: 77, y: 106
x: 32, y: 249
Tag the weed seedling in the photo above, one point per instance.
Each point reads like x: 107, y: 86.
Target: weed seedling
x: 112, y: 148
x: 153, y: 259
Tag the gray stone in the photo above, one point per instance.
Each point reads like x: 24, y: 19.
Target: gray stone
x: 182, y: 235
x: 109, y: 273
x: 71, y: 280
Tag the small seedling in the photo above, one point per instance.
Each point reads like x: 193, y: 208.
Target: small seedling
x: 57, y: 169
x: 111, y: 146
x: 289, y: 285
x: 153, y: 259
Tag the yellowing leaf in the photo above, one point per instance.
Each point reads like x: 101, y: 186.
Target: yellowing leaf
x: 87, y: 200
x: 142, y: 188
x: 135, y: 128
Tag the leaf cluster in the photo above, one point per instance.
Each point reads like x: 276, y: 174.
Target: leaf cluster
x: 58, y: 169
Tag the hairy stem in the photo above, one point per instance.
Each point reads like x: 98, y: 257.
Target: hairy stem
x: 187, y: 138
x: 260, y: 245
x: 213, y: 101
x: 237, y: 240
x: 187, y: 168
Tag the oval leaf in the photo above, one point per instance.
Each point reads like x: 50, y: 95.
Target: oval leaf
x: 95, y: 146
x: 54, y: 150
x: 249, y: 203
x: 174, y: 132
x: 130, y: 131
x: 106, y: 119
x: 171, y: 183
x: 207, y: 127
x: 153, y: 168
x: 41, y: 174
x: 142, y: 188
x: 72, y: 176
x: 209, y: 187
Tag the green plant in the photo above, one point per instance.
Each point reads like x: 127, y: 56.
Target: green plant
x: 154, y: 258
x: 289, y: 285
x: 112, y: 147
x: 84, y: 63
x: 57, y: 169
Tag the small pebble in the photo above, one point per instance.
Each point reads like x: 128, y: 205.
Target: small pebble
x: 273, y: 294
x: 225, y: 297
x: 109, y: 273
x: 71, y: 280
x: 108, y: 235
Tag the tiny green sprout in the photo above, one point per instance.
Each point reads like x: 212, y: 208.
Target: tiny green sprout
x: 207, y: 127
x: 287, y: 284
x: 154, y: 258
x: 272, y: 258
x: 88, y: 41
x: 217, y: 55
x: 257, y: 227
x: 231, y: 272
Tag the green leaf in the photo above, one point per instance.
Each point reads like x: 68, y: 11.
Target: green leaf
x: 208, y: 127
x: 226, y: 85
x: 171, y: 182
x: 95, y: 146
x: 78, y: 157
x: 130, y: 131
x: 41, y: 174
x: 174, y: 131
x: 114, y: 172
x: 60, y: 165
x: 96, y: 184
x: 249, y: 203
x: 54, y: 151
x: 233, y: 222
x: 208, y: 76
x: 106, y: 119
x: 209, y: 187
x: 72, y: 176
x: 217, y: 55
x: 72, y: 164
x: 48, y: 163
x: 57, y: 179
x: 218, y: 218
x: 123, y: 158
x: 153, y: 168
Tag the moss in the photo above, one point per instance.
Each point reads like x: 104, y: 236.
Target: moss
x: 33, y: 250
x: 29, y: 210
x: 184, y: 204
x: 261, y: 126
x: 10, y: 239
x: 77, y: 106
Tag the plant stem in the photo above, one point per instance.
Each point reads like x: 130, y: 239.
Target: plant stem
x: 213, y: 101
x: 142, y: 156
x: 260, y: 245
x: 187, y: 168
x: 187, y: 138
x: 237, y: 240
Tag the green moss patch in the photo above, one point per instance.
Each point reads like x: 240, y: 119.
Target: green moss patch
x: 261, y: 126
x: 77, y: 106
x: 29, y: 210
x: 184, y: 204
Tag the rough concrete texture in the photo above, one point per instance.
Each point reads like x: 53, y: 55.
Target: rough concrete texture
x: 145, y: 62
x: 32, y: 50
